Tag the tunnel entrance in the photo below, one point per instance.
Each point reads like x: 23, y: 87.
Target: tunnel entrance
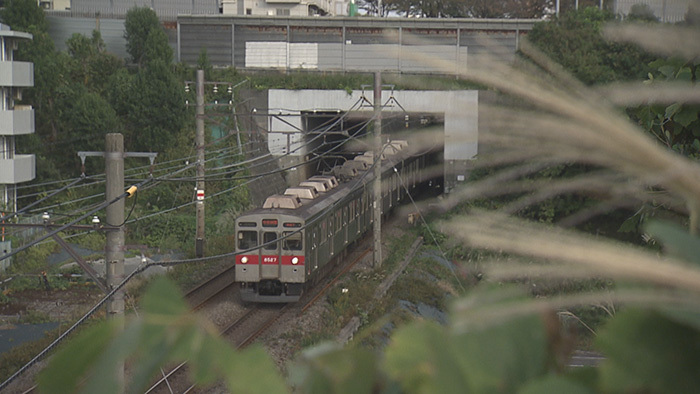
x: 334, y: 136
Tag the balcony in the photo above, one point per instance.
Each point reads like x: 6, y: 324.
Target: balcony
x: 16, y: 74
x: 21, y: 168
x: 17, y: 121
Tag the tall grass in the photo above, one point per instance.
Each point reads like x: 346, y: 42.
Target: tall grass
x: 551, y: 119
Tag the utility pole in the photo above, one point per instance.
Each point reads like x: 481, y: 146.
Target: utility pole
x: 377, y: 169
x: 114, y: 249
x: 199, y: 141
x: 200, y: 83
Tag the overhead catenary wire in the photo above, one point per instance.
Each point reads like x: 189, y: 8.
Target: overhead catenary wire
x: 275, y: 158
x: 335, y: 122
x: 427, y: 227
x: 65, y: 226
x: 359, y: 182
x: 12, y: 215
x: 252, y: 177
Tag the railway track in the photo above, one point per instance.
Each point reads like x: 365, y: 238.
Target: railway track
x: 201, y: 294
x: 244, y: 330
x: 248, y: 327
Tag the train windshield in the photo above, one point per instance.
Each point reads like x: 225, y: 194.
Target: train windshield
x: 293, y: 241
x: 269, y: 239
x: 247, y: 239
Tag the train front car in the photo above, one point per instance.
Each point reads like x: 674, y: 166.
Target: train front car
x: 270, y: 263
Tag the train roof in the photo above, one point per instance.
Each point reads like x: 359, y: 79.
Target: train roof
x: 303, y: 192
x: 311, y: 208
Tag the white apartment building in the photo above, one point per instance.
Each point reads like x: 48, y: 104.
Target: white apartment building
x: 170, y: 9
x: 58, y: 5
x: 285, y: 7
x: 14, y: 120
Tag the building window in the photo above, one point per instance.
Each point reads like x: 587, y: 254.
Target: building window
x: 282, y: 11
x: 249, y: 11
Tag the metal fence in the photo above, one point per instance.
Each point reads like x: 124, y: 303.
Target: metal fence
x: 665, y: 10
x: 346, y: 44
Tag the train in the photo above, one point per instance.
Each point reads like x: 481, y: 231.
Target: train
x: 296, y: 238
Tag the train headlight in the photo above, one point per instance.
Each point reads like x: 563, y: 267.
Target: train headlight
x: 295, y: 260
x: 244, y: 259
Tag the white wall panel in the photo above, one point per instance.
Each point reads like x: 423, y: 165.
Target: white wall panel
x: 266, y: 54
x: 303, y: 55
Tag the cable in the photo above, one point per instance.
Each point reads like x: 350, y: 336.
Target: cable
x: 326, y: 153
x: 425, y: 224
x: 144, y: 267
x: 160, y: 179
x: 251, y: 178
x: 65, y: 226
x: 10, y: 216
x: 136, y: 196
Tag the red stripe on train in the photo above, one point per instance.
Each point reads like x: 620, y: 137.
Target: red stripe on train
x: 287, y: 260
x: 252, y: 259
x: 270, y: 260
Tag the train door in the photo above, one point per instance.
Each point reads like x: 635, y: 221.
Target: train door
x: 331, y: 227
x: 270, y: 259
x: 314, y: 246
x: 392, y: 190
x: 345, y: 224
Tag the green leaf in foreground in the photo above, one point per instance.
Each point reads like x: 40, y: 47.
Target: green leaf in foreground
x: 648, y: 352
x: 67, y: 368
x: 554, y: 384
x: 427, y: 358
x: 327, y: 368
x: 165, y: 332
x: 419, y: 357
x: 676, y: 240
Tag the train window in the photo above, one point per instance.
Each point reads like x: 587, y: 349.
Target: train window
x: 292, y: 242
x: 271, y: 238
x: 247, y: 239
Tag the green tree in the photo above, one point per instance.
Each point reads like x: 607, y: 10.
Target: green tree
x: 23, y: 15
x: 203, y: 63
x: 152, y: 105
x: 676, y: 125
x: 642, y: 12
x: 90, y: 64
x: 467, y: 8
x: 88, y: 117
x: 50, y: 69
x: 143, y: 43
x: 575, y: 41
x: 157, y: 48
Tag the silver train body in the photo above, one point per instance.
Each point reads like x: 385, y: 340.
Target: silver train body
x: 297, y: 237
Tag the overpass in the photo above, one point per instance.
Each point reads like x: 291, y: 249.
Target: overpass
x: 406, y: 45
x: 345, y: 44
